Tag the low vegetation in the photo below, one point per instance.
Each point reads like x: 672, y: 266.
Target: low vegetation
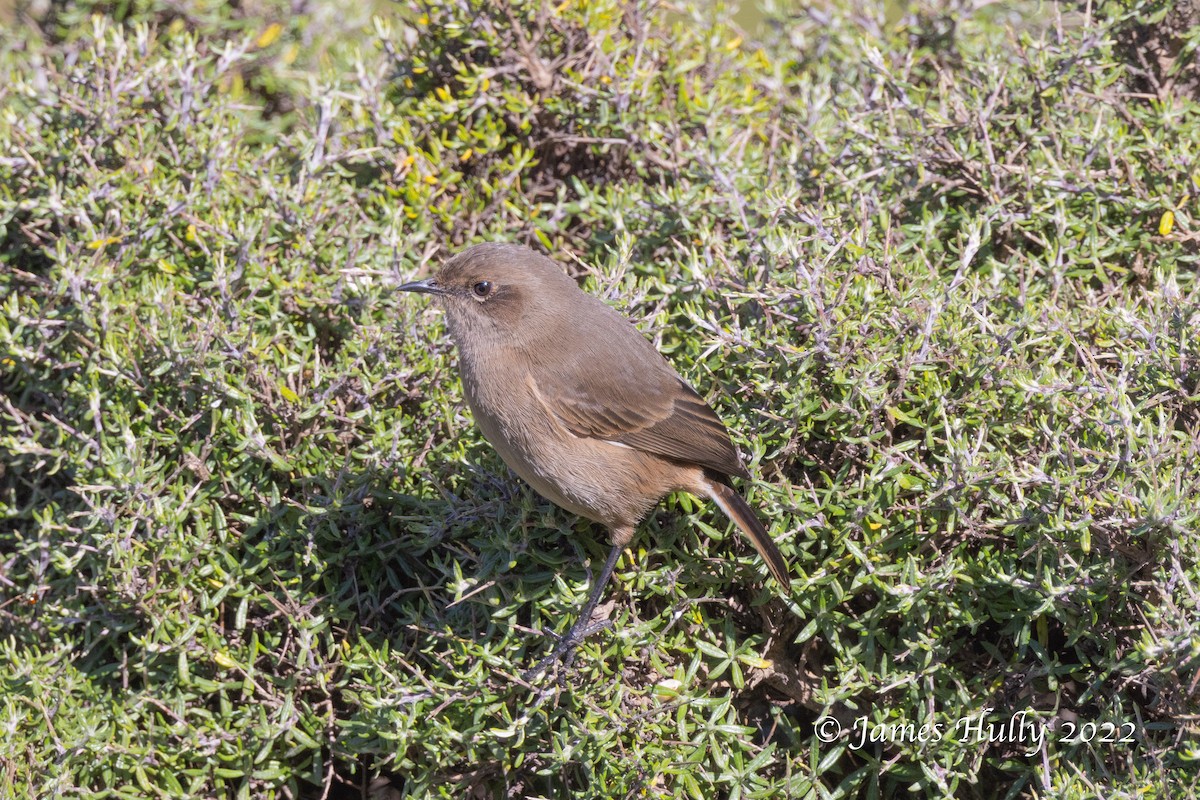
x: 936, y: 270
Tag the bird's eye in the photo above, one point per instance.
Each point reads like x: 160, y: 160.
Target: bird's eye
x: 482, y: 289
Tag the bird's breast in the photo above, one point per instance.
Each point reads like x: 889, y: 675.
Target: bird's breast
x: 604, y: 481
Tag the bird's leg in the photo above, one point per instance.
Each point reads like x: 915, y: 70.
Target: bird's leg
x: 583, y: 626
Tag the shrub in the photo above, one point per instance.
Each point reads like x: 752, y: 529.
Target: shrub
x: 936, y: 273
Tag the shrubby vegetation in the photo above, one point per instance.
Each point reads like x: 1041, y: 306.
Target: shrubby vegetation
x: 937, y: 273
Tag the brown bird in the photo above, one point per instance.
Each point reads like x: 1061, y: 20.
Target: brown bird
x: 580, y: 405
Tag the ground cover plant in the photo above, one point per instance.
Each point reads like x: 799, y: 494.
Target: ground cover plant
x: 935, y: 267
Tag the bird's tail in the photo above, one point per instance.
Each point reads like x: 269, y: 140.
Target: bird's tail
x: 743, y: 516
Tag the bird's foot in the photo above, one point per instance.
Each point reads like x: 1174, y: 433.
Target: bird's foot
x: 564, y: 650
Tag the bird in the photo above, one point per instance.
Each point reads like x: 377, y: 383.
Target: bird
x: 581, y: 406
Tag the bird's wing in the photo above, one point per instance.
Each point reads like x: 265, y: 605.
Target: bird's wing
x: 643, y: 405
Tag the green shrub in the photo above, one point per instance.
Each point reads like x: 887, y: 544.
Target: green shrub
x: 936, y: 273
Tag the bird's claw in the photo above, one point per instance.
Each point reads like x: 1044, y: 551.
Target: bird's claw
x: 564, y: 649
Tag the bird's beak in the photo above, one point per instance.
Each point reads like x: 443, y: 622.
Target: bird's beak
x: 427, y: 286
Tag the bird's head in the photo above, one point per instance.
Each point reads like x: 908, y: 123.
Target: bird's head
x: 497, y: 290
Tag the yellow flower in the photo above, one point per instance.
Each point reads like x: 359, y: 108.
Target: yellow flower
x: 1166, y: 223
x: 269, y: 35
